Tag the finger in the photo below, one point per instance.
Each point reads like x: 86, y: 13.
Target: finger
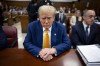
x: 51, y: 57
x: 42, y: 53
x: 48, y: 58
x: 46, y: 55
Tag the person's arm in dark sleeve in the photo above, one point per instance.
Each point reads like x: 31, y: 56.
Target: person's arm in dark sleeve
x: 74, y: 37
x: 97, y: 36
x: 3, y: 40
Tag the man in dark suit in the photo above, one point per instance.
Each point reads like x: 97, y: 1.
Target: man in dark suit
x: 32, y: 10
x: 35, y: 41
x: 86, y: 32
x: 61, y: 17
x: 3, y: 39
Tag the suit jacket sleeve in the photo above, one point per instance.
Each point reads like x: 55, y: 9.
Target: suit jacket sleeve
x: 97, y: 35
x: 64, y: 44
x: 75, y: 37
x: 3, y: 39
x: 29, y: 45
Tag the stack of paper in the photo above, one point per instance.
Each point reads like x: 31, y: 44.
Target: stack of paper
x: 90, y: 54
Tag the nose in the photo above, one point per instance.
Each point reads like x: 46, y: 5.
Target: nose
x: 93, y: 18
x: 46, y: 21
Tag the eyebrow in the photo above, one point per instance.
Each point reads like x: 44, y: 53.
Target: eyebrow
x: 46, y: 17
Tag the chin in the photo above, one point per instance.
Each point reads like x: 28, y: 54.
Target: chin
x: 46, y: 27
x: 90, y: 23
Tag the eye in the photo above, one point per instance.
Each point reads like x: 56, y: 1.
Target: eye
x: 43, y: 18
x: 48, y: 17
x: 91, y: 16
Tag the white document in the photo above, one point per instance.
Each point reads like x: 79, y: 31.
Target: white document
x: 90, y: 54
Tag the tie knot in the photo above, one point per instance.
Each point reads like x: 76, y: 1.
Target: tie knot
x: 46, y: 31
x: 87, y: 26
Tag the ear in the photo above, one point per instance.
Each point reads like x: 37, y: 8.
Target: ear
x: 39, y: 17
x: 54, y: 17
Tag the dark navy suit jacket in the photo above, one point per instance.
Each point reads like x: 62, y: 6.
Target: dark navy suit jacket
x: 3, y: 39
x: 34, y: 39
x: 78, y: 36
x: 63, y: 19
x: 32, y: 11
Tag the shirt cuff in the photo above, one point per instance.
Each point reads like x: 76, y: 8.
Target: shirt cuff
x: 55, y: 52
x: 37, y: 56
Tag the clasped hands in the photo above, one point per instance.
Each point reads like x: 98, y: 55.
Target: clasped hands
x: 46, y: 53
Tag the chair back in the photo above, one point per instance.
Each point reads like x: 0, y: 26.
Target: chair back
x: 11, y: 33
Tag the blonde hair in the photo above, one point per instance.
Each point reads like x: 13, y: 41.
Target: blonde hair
x: 47, y: 9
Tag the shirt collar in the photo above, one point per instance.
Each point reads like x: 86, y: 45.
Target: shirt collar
x: 85, y: 25
x: 61, y: 13
x: 49, y: 29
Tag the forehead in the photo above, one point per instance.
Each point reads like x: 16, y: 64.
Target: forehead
x: 46, y: 14
x: 90, y: 13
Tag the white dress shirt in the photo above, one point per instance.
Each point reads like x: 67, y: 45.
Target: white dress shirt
x: 85, y: 25
x: 61, y: 16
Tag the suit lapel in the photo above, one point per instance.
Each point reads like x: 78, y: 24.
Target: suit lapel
x: 39, y: 33
x: 53, y: 34
x: 91, y: 32
x: 57, y: 16
x: 82, y: 32
x: 63, y: 18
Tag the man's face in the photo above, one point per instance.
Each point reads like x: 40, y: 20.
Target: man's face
x: 78, y: 14
x: 46, y: 20
x: 89, y: 18
x: 61, y: 10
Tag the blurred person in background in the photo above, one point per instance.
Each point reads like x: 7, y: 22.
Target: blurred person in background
x: 32, y: 10
x: 1, y: 14
x: 75, y: 19
x: 61, y: 17
x: 3, y: 39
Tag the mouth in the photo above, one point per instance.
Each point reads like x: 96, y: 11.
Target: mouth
x: 46, y: 25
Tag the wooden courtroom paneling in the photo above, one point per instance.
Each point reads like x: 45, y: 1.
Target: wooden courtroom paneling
x: 24, y: 23
x: 80, y: 5
x: 17, y: 3
x: 63, y: 4
x: 93, y: 4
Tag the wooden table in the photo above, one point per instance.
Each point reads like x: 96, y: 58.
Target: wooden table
x: 20, y: 57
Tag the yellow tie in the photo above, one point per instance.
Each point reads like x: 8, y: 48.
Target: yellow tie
x: 46, y: 40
